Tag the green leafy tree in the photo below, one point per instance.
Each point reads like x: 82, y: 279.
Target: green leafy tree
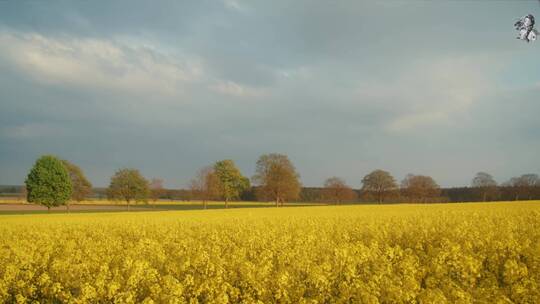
x: 231, y: 181
x: 128, y: 185
x: 276, y: 178
x: 379, y: 182
x: 48, y: 183
x: 81, y: 186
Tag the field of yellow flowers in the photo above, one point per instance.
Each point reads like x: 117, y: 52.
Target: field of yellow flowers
x: 453, y: 253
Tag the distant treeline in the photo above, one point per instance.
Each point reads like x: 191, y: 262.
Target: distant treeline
x: 275, y: 179
x: 316, y: 194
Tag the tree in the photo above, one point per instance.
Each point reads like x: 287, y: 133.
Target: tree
x: 232, y: 183
x: 312, y: 194
x: 529, y: 183
x: 524, y: 186
x: 379, y: 182
x: 336, y: 190
x: 128, y: 185
x: 485, y: 185
x: 420, y: 187
x: 205, y: 186
x: 81, y: 186
x: 156, y: 189
x: 512, y: 187
x: 48, y: 183
x: 276, y: 178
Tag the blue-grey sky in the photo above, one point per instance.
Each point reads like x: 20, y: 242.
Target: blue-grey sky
x: 342, y: 87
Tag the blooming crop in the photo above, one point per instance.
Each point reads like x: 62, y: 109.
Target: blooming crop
x: 453, y: 253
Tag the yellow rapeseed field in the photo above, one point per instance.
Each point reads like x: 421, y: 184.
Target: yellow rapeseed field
x: 453, y: 253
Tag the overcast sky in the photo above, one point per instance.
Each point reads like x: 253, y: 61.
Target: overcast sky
x: 441, y: 88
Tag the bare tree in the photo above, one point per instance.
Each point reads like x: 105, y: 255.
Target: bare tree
x: 513, y: 187
x: 420, y: 187
x: 81, y: 186
x: 336, y: 190
x: 276, y: 178
x: 156, y: 189
x: 379, y: 182
x: 529, y: 183
x: 485, y: 185
x: 523, y: 187
x: 205, y: 185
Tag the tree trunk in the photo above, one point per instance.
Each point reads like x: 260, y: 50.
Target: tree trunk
x: 485, y: 194
x: 127, y: 205
x: 226, y: 203
x: 277, y: 201
x: 48, y: 209
x: 67, y: 205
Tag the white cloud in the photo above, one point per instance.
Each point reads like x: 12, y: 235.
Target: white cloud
x: 234, y: 5
x: 435, y: 93
x: 32, y: 130
x: 237, y: 90
x: 302, y: 72
x: 97, y: 64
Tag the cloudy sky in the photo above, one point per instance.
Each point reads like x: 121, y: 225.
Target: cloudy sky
x: 342, y: 87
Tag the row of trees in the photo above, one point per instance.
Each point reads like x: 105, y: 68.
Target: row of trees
x: 525, y: 186
x: 275, y: 178
x: 380, y: 185
x: 53, y: 182
x: 221, y: 181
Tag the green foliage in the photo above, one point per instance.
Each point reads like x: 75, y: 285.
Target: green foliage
x: 231, y: 181
x: 48, y: 182
x: 81, y: 186
x: 128, y: 185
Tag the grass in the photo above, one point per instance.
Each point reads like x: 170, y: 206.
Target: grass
x: 175, y: 205
x: 161, y: 205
